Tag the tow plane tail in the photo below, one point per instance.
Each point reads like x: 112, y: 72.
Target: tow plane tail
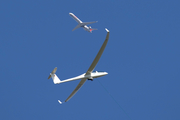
x: 55, y: 78
x: 91, y: 29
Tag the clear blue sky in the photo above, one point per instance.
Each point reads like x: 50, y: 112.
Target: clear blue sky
x: 142, y: 58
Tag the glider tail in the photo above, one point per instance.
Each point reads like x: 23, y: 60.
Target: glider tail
x: 55, y: 78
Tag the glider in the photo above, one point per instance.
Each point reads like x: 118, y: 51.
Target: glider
x: 82, y: 24
x: 90, y: 75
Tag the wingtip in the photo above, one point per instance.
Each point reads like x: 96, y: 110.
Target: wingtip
x: 59, y: 102
x: 106, y: 29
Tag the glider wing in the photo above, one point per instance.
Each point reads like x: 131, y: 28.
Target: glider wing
x: 94, y: 63
x: 76, y: 89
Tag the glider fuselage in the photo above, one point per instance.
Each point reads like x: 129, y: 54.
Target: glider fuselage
x: 95, y: 74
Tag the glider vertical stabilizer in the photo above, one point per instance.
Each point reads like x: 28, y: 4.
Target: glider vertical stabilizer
x: 56, y: 80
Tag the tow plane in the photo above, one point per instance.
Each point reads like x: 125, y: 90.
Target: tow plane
x: 89, y: 75
x: 82, y: 24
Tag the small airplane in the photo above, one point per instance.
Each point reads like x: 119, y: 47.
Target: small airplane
x: 82, y: 24
x: 90, y: 74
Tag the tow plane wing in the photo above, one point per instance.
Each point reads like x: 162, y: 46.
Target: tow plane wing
x: 87, y: 23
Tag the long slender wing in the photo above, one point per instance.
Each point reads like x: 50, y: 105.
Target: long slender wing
x: 76, y: 89
x: 91, y: 68
x: 93, y: 65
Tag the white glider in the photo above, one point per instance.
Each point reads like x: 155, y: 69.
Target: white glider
x: 82, y: 24
x: 88, y: 75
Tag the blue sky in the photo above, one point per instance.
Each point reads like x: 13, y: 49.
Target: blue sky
x: 142, y: 59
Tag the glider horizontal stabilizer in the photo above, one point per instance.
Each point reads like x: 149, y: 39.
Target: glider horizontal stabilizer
x: 53, y: 72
